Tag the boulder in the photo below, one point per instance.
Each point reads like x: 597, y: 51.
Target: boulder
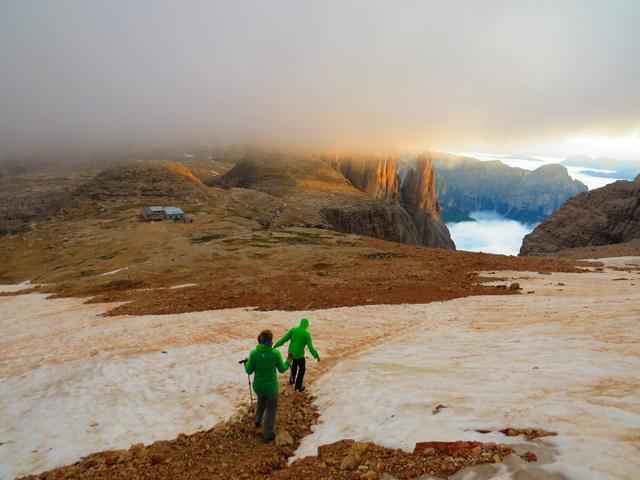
x: 355, y: 456
x: 453, y: 449
x: 283, y: 438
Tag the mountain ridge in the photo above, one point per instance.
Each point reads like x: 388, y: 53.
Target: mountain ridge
x: 466, y: 184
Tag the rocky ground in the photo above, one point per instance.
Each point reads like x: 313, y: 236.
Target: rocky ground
x: 497, y: 368
x: 285, y: 269
x: 234, y: 449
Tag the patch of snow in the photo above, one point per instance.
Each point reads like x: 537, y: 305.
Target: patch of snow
x: 619, y: 262
x: 64, y: 368
x: 113, y: 272
x: 68, y: 410
x: 184, y: 285
x: 17, y: 287
x: 558, y: 360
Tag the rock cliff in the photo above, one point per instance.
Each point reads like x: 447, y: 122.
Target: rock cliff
x: 420, y: 199
x: 351, y: 194
x: 411, y: 185
x: 419, y: 188
x: 374, y: 176
x: 383, y: 219
x: 607, y: 215
x: 465, y: 184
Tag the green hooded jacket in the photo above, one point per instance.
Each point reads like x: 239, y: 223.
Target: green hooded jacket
x: 300, y: 337
x: 264, y: 360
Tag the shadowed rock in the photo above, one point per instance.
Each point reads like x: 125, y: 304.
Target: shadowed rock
x: 466, y: 184
x: 605, y: 216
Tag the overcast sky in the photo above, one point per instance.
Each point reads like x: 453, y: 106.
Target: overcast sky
x: 493, y: 75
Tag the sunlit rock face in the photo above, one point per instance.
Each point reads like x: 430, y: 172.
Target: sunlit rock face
x: 375, y: 176
x: 420, y: 200
x: 419, y: 188
x: 607, y: 215
x: 411, y: 185
x: 399, y: 204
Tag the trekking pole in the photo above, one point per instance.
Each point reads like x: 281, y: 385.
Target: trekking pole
x: 248, y: 380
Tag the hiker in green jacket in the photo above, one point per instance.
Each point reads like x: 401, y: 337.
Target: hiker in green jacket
x: 263, y: 361
x: 299, y: 338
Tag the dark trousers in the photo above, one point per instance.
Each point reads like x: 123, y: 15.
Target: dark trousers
x: 267, y: 407
x: 298, y: 367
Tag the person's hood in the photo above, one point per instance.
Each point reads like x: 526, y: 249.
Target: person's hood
x: 263, y: 348
x: 304, y: 323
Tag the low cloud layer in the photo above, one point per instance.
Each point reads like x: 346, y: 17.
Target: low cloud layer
x: 490, y: 233
x: 333, y: 74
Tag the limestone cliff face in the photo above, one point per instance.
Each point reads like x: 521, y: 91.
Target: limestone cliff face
x: 607, y: 215
x: 375, y: 176
x: 419, y: 188
x: 411, y: 186
x: 420, y: 199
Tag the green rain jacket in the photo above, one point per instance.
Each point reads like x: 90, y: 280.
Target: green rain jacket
x: 264, y: 360
x: 300, y: 337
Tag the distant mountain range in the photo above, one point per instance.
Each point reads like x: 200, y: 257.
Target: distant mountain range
x: 622, y: 169
x: 466, y: 184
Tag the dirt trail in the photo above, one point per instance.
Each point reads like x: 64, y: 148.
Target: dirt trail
x: 233, y: 449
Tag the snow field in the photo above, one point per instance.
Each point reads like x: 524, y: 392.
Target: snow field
x: 565, y: 358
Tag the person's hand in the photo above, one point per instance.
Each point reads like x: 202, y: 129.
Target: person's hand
x: 289, y: 358
x: 318, y: 359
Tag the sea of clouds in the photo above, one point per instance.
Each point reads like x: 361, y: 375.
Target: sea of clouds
x: 489, y: 232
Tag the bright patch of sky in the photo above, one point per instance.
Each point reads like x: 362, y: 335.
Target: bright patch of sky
x: 489, y: 233
x: 622, y: 147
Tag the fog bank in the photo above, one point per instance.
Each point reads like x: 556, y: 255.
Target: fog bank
x: 490, y: 233
x: 333, y: 74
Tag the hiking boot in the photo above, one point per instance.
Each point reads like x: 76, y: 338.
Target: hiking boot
x: 268, y: 439
x: 301, y: 389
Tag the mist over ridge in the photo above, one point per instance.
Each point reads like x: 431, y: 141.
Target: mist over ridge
x: 358, y: 75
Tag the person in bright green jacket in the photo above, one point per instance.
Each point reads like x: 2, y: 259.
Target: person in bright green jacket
x: 298, y: 338
x: 264, y: 360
